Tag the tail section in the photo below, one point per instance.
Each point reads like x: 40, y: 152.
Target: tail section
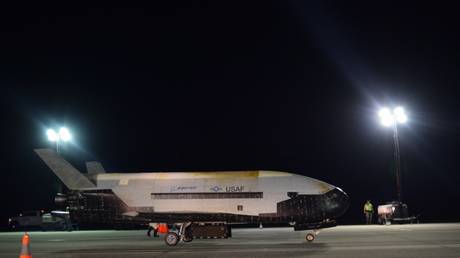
x: 69, y: 175
x: 94, y: 167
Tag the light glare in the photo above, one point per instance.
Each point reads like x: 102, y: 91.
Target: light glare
x: 64, y: 134
x: 384, y: 112
x: 52, y: 135
x: 388, y: 118
x: 398, y: 111
x: 400, y: 115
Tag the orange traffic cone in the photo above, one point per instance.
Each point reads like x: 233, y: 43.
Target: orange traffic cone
x: 163, y: 228
x: 25, y: 249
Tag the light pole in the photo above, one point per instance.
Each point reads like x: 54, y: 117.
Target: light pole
x: 392, y: 118
x: 62, y: 136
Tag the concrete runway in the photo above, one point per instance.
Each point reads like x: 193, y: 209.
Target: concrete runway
x: 421, y: 240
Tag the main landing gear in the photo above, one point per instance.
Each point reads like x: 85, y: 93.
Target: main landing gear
x: 190, y: 230
x: 173, y: 238
x: 311, y: 236
x: 185, y: 232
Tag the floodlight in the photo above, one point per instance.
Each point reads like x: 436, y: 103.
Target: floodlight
x: 400, y: 115
x: 402, y: 119
x: 387, y: 121
x: 52, y: 135
x: 64, y: 134
x: 386, y: 118
x: 398, y: 111
x: 389, y: 118
x: 384, y: 112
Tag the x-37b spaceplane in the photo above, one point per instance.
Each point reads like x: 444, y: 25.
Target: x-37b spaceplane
x: 196, y: 204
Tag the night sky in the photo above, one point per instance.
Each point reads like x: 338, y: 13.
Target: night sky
x: 202, y: 86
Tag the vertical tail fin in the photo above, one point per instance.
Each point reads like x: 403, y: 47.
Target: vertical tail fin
x: 69, y: 175
x: 94, y: 167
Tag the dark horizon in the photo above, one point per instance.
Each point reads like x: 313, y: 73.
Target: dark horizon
x: 201, y: 86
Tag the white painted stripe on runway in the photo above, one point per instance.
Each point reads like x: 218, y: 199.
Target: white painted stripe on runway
x: 240, y: 250
x: 392, y: 247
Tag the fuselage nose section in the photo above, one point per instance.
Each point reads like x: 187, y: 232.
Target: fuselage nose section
x: 336, y: 203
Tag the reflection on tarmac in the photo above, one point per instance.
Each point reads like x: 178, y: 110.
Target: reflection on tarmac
x: 421, y: 240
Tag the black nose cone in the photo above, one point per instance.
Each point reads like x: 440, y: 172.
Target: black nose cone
x: 336, y: 203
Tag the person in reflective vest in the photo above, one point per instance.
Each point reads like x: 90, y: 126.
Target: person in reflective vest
x: 368, y: 211
x: 153, y: 227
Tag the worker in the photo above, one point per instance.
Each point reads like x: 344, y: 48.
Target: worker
x: 154, y: 227
x: 368, y: 211
x: 68, y: 224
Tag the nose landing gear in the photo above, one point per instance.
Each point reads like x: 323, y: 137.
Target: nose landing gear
x: 311, y: 236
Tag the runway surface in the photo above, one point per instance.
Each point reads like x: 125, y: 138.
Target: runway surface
x: 420, y: 240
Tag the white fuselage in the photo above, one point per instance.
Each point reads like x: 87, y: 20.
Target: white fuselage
x: 164, y: 192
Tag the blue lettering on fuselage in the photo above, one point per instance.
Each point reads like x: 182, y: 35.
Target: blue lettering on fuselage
x: 234, y: 188
x: 228, y: 189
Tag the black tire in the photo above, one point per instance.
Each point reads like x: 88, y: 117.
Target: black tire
x: 310, y: 237
x: 171, y: 239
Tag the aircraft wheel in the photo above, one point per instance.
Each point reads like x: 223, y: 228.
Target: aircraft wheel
x: 310, y: 237
x: 171, y: 239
